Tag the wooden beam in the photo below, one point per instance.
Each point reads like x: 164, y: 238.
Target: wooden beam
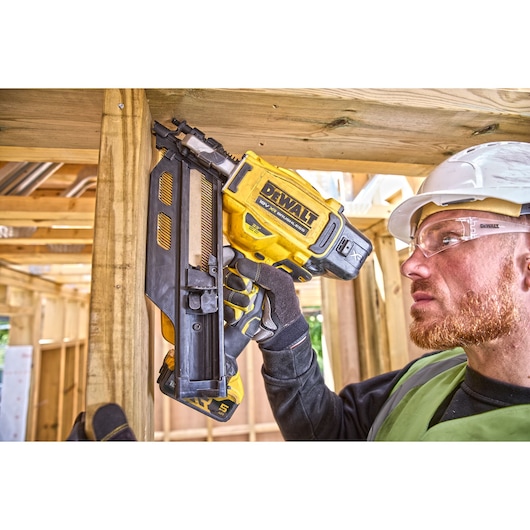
x: 119, y: 364
x: 81, y: 279
x: 46, y: 211
x: 43, y: 255
x: 53, y: 236
x: 399, y: 131
x: 57, y: 119
x: 23, y: 280
x: 371, y: 329
x: 506, y: 100
x: 14, y: 311
x: 74, y: 269
x: 46, y: 154
x: 405, y: 126
x: 340, y: 330
x: 350, y: 166
x: 395, y: 321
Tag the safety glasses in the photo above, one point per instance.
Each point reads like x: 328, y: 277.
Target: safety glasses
x: 437, y: 236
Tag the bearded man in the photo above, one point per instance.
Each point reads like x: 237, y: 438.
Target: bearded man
x: 469, y: 269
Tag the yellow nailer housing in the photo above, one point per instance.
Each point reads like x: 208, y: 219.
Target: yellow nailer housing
x: 275, y: 216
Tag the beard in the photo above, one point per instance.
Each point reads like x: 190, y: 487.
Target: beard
x: 478, y: 318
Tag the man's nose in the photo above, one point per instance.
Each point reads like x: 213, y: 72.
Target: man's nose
x: 415, y: 266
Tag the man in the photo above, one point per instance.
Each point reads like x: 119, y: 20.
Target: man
x: 470, y: 282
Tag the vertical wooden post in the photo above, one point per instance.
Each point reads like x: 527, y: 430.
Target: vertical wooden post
x: 340, y: 330
x: 119, y: 358
x: 385, y: 248
x: 371, y: 315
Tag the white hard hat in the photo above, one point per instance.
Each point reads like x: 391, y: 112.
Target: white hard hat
x: 496, y: 170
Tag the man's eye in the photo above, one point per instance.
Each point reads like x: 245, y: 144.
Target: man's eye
x: 450, y: 239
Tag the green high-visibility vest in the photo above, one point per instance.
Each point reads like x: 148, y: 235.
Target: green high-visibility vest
x: 418, y: 394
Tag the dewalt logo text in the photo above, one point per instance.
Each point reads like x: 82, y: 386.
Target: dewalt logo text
x: 295, y: 212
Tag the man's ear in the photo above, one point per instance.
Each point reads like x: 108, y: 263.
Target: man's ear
x: 524, y: 249
x: 526, y: 271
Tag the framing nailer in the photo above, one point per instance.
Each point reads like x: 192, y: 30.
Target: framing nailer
x: 267, y: 213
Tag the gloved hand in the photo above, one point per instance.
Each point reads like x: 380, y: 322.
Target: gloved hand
x: 103, y: 422
x: 242, y: 299
x: 280, y: 320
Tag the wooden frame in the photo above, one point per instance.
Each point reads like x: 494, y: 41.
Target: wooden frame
x: 53, y: 321
x: 403, y: 131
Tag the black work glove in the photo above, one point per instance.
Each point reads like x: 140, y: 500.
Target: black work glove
x: 243, y: 300
x: 104, y: 422
x: 280, y: 321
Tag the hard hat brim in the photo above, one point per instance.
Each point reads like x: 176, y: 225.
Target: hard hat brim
x: 406, y: 214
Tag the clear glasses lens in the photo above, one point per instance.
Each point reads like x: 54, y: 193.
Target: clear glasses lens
x: 439, y: 236
x: 432, y: 238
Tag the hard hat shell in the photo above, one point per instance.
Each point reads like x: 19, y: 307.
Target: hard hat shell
x: 498, y: 170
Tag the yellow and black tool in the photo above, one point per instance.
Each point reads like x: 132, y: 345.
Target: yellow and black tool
x: 267, y: 213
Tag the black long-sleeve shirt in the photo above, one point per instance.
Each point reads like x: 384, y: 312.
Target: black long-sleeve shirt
x: 306, y: 409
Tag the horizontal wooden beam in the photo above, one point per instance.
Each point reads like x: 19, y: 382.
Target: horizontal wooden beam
x: 15, y: 311
x: 380, y: 126
x: 46, y: 154
x: 53, y: 236
x: 73, y: 269
x: 30, y: 282
x: 506, y: 100
x: 46, y: 211
x: 42, y: 255
x: 373, y: 130
x: 59, y: 119
x: 67, y: 278
x: 77, y: 274
x: 351, y: 166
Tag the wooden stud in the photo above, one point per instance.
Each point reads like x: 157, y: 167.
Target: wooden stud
x: 395, y: 321
x: 340, y: 330
x: 370, y: 311
x: 119, y: 365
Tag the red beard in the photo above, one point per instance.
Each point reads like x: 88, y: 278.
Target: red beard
x: 479, y: 316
